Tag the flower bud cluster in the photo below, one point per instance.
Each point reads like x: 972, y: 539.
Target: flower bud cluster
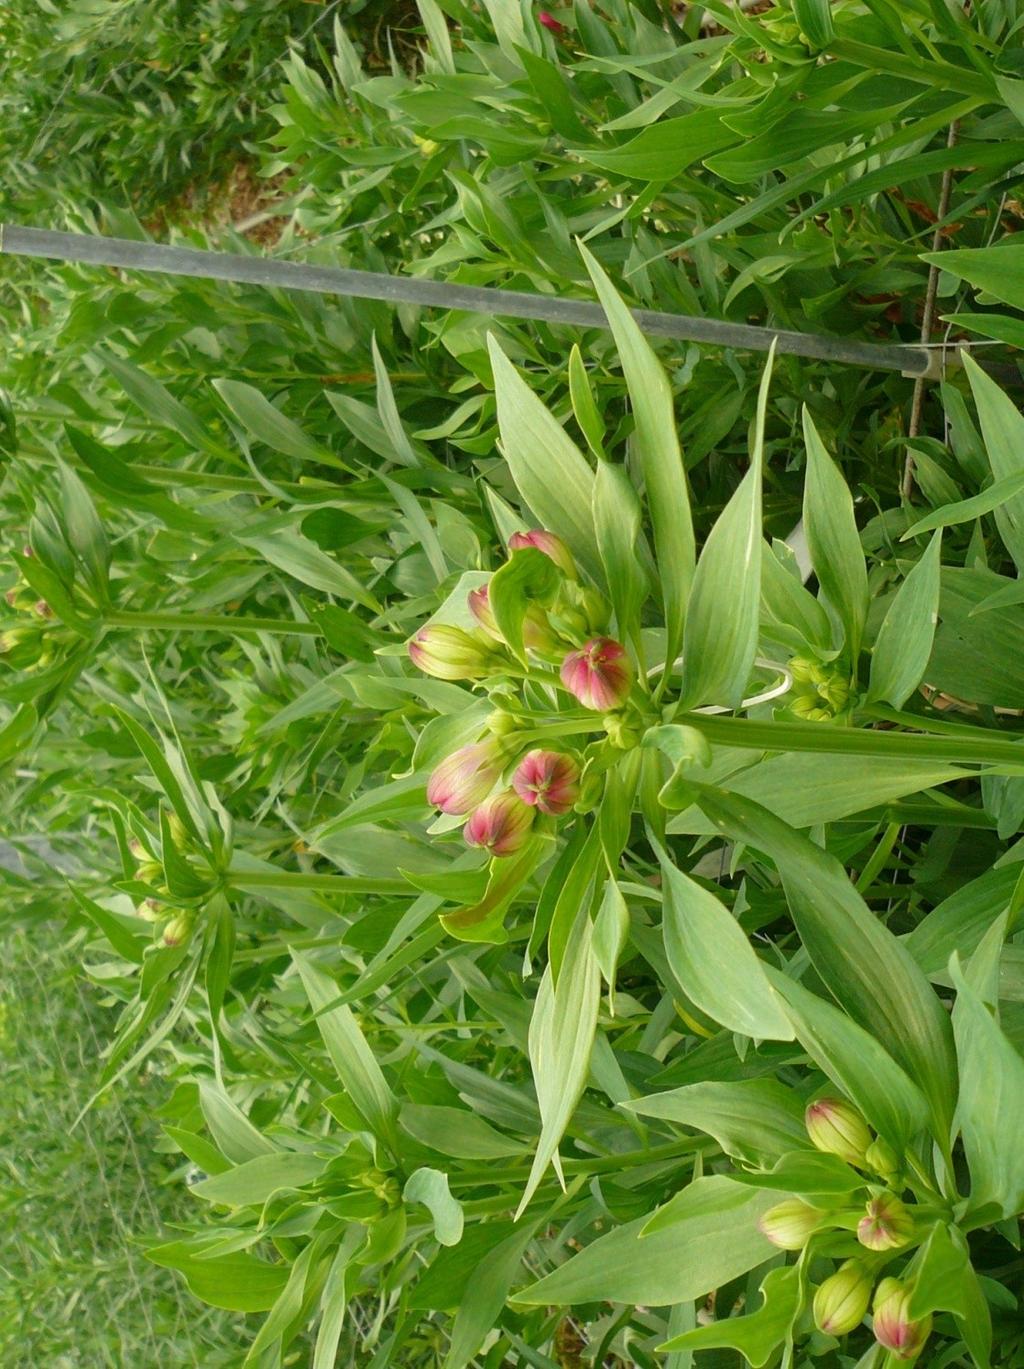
x: 501, y: 791
x: 27, y: 643
x: 543, y: 782
x: 884, y: 1224
x: 820, y: 691
x: 566, y: 630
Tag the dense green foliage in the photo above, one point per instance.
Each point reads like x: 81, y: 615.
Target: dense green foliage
x: 537, y: 1099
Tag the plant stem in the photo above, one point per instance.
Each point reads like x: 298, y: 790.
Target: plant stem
x: 854, y: 741
x: 210, y: 622
x: 325, y: 884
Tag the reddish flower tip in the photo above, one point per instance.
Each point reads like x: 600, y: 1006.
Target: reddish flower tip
x: 501, y: 825
x: 550, y: 22
x: 600, y: 674
x: 465, y: 778
x: 548, y: 542
x: 548, y: 781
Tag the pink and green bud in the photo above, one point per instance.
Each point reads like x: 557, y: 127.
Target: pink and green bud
x: 501, y: 825
x: 451, y: 653
x: 479, y: 601
x: 537, y: 632
x: 465, y: 778
x: 837, y: 1128
x: 887, y: 1224
x: 548, y: 781
x: 550, y: 22
x: 842, y: 1300
x: 790, y: 1224
x: 550, y: 544
x: 600, y: 674
x: 893, y: 1327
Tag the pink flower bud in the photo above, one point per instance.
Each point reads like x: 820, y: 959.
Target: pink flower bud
x: 888, y: 1224
x: 600, y: 674
x: 548, y: 780
x: 550, y: 22
x: 451, y: 653
x: 501, y: 825
x: 178, y: 930
x: 548, y: 542
x: 894, y: 1330
x: 480, y: 606
x: 465, y: 778
x: 837, y: 1128
x: 537, y: 633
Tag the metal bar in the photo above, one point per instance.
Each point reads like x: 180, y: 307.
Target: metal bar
x: 188, y: 261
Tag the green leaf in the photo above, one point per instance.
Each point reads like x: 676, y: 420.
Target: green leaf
x: 617, y: 522
x: 966, y: 510
x: 430, y: 1187
x: 855, y: 1061
x: 714, y: 962
x: 482, y: 1297
x: 269, y: 425
x: 661, y: 461
x: 360, y: 1075
x: 990, y: 1111
x: 548, y: 468
x: 528, y: 577
x: 999, y: 271
x: 1002, y: 427
x: 868, y: 971
x: 904, y: 643
x: 251, y: 1184
x: 240, y: 1283
x: 709, y: 1237
x: 157, y: 402
x: 297, y: 556
x: 833, y: 540
x: 561, y: 1039
x: 663, y: 151
x: 584, y: 405
x: 755, y: 1335
x: 611, y: 935
x: 235, y: 1135
x: 456, y: 1132
x: 85, y: 532
x: 815, y: 20
x: 756, y: 1121
x: 722, y: 618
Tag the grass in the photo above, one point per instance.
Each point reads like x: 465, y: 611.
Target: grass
x: 76, y: 1288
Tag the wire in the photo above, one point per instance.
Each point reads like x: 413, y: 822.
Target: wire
x: 94, y: 250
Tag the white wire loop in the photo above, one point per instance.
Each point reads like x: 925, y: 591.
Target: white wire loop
x: 783, y: 686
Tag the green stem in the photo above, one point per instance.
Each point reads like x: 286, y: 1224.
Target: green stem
x: 608, y: 1165
x: 324, y: 884
x: 937, y: 74
x: 210, y: 622
x: 566, y: 729
x: 854, y: 741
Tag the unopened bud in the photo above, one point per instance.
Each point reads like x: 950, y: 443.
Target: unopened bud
x: 881, y: 1159
x: 842, y: 1300
x: 600, y: 674
x: 178, y: 830
x: 791, y: 1224
x: 620, y: 734
x: 500, y: 723
x: 893, y: 1327
x: 837, y: 1128
x: 451, y: 653
x: 548, y: 780
x: 466, y: 777
x: 887, y: 1225
x: 550, y: 544
x: 501, y: 825
x: 178, y: 930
